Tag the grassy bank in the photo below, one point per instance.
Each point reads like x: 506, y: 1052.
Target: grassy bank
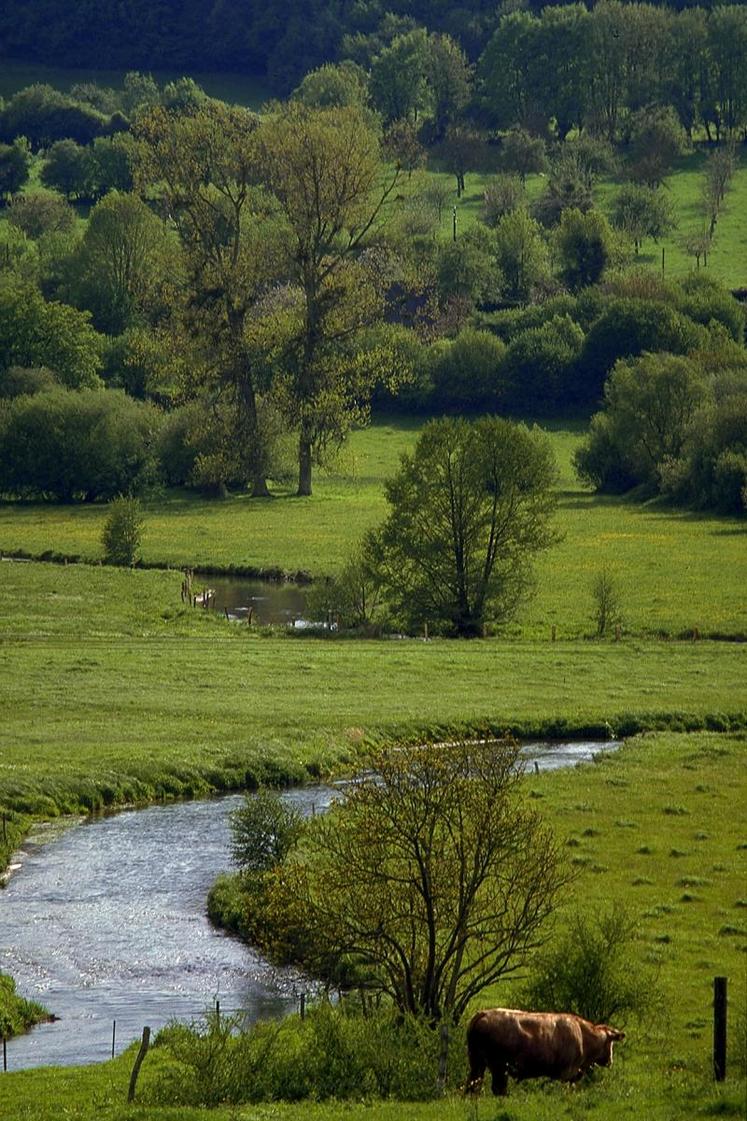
x: 17, y: 1014
x: 112, y: 691
x: 656, y: 826
x: 676, y: 571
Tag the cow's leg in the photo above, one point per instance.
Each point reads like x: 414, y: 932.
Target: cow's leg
x: 499, y: 1072
x: 477, y: 1066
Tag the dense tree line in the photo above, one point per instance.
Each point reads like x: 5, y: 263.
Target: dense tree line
x: 619, y: 55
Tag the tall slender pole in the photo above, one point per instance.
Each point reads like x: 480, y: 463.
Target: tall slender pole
x: 719, y: 1028
x: 454, y: 222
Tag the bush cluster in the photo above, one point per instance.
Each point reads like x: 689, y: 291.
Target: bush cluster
x: 77, y: 444
x: 335, y: 1052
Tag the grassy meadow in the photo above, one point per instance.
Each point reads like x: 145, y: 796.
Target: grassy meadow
x: 655, y: 826
x: 677, y: 571
x: 728, y: 258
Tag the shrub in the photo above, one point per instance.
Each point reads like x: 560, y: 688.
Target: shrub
x: 467, y: 373
x: 122, y: 531
x: 540, y: 365
x: 335, y: 1052
x: 77, y: 445
x: 591, y: 969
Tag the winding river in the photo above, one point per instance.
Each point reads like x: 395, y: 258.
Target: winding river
x: 106, y: 922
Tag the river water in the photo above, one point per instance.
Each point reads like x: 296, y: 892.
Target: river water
x: 106, y: 922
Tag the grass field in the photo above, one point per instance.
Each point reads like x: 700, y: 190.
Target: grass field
x: 656, y: 826
x: 112, y: 691
x: 728, y: 258
x: 676, y: 571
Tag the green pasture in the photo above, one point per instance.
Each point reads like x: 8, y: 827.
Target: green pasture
x: 241, y: 89
x: 728, y: 259
x: 656, y: 826
x: 114, y: 691
x: 677, y: 571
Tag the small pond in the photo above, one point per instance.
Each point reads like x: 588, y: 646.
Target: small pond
x: 106, y: 921
x: 279, y: 602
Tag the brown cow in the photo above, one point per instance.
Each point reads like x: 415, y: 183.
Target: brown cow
x: 534, y: 1045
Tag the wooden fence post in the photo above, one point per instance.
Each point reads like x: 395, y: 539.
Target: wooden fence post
x: 719, y: 1028
x: 114, y: 1035
x: 138, y: 1063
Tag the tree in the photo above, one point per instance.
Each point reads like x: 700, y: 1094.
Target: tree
x: 468, y: 509
x: 507, y: 74
x: 122, y: 261
x: 41, y: 212
x: 333, y: 86
x: 468, y: 372
x: 642, y: 212
x: 15, y: 162
x: 521, y: 253
x: 461, y: 152
x: 433, y: 873
x: 398, y: 85
x: 540, y: 365
x: 122, y: 531
x: 205, y: 166
x: 656, y: 140
x: 402, y: 146
x: 585, y: 247
x: 651, y: 405
x: 36, y: 333
x: 44, y: 115
x: 82, y: 444
x: 70, y: 169
x: 449, y: 78
x: 324, y: 169
x: 264, y: 830
x: 523, y: 154
x: 503, y: 194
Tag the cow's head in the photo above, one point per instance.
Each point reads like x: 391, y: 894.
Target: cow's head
x: 607, y: 1036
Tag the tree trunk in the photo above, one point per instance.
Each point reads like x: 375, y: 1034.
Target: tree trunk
x: 304, y: 464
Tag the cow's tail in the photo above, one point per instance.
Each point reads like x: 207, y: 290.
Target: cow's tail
x: 475, y: 1054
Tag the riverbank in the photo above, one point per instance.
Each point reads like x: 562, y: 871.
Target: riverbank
x: 17, y: 1014
x: 114, y: 692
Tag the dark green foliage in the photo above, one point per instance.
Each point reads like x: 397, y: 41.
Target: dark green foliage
x: 627, y: 327
x: 77, y: 445
x: 43, y: 115
x: 18, y: 381
x: 15, y: 160
x: 41, y: 212
x: 466, y: 268
x: 468, y: 509
x: 674, y: 427
x: 70, y: 169
x: 591, y: 969
x: 585, y: 247
x: 467, y: 373
x: 539, y: 368
x: 120, y: 537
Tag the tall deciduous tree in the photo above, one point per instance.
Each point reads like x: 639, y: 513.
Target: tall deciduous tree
x: 325, y: 171
x: 205, y: 165
x: 434, y: 874
x: 469, y: 508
